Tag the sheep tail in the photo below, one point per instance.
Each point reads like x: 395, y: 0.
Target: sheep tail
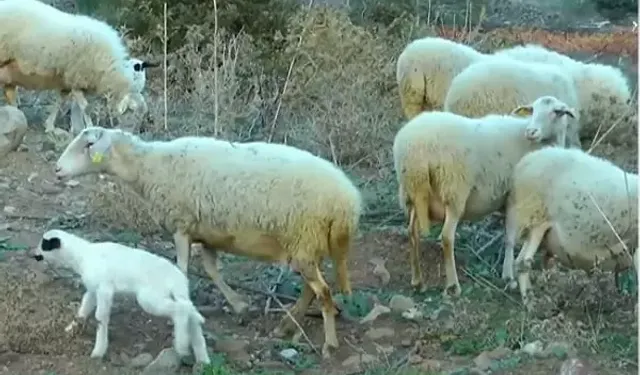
x: 417, y: 198
x: 340, y: 236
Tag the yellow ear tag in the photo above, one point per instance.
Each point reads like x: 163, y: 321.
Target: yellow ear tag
x: 97, y: 158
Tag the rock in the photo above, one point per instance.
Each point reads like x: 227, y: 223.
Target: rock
x: 141, y: 360
x: 406, y: 343
x: 167, y: 362
x: 414, y: 359
x: 534, y: 349
x: 412, y: 314
x: 358, y: 361
x: 560, y: 350
x: 430, y: 365
x: 476, y: 371
x: 400, y: 303
x: 378, y: 333
x: 9, y: 209
x: 289, y: 354
x: 380, y: 270
x: 375, y: 312
x: 482, y: 361
x: 499, y: 353
x: 72, y: 183
x: 575, y: 366
x: 443, y: 312
x: 31, y: 177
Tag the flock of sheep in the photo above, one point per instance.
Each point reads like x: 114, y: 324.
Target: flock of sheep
x: 484, y: 133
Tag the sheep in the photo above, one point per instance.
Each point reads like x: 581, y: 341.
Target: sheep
x: 451, y: 167
x: 108, y: 268
x: 603, y: 91
x: 497, y: 85
x: 292, y: 208
x: 581, y: 208
x: 43, y: 48
x: 424, y: 71
x: 13, y: 127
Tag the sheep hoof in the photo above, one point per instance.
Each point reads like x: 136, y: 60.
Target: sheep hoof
x: 327, y: 348
x: 452, y: 291
x: 239, y: 306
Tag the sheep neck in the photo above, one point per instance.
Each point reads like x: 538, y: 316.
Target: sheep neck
x: 131, y: 164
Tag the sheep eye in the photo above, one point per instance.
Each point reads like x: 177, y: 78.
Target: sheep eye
x: 137, y: 67
x: 89, y: 144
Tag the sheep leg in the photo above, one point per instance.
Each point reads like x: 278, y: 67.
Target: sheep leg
x: 312, y: 275
x: 81, y: 101
x: 342, y: 274
x: 86, y: 307
x: 448, y: 242
x: 103, y: 312
x: 183, y: 251
x: 210, y: 264
x: 198, y: 343
x: 298, y: 310
x: 10, y: 95
x: 160, y: 305
x: 525, y: 261
x: 511, y: 231
x: 414, y: 248
x: 49, y: 124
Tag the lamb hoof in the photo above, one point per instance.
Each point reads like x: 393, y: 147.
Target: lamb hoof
x: 452, y: 291
x: 239, y: 307
x: 327, y: 348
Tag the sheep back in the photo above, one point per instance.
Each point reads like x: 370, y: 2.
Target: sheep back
x: 425, y: 69
x: 213, y: 190
x: 559, y: 186
x: 498, y: 85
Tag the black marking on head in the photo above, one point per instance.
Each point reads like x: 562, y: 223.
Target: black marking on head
x: 38, y: 257
x: 147, y: 64
x: 137, y: 67
x: 50, y: 244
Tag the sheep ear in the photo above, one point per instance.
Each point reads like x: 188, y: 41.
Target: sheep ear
x: 565, y: 111
x: 523, y: 111
x: 100, y: 148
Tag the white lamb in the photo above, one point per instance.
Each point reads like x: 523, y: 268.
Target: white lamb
x: 43, y: 48
x: 13, y: 127
x: 108, y: 268
x: 451, y: 168
x: 581, y: 208
x: 425, y: 69
x: 290, y: 207
x: 603, y: 91
x: 497, y: 85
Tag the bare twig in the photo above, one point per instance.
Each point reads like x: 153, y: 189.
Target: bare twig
x: 165, y: 67
x: 286, y: 82
x: 304, y: 334
x: 215, y: 68
x: 272, y: 289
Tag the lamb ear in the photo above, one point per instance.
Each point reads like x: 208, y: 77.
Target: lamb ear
x: 147, y: 64
x: 49, y: 244
x: 100, y: 147
x: 523, y: 111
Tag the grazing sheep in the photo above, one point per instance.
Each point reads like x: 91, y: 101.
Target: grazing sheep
x: 43, y: 48
x: 108, y: 268
x: 581, y: 208
x: 290, y: 207
x: 13, y: 127
x: 497, y: 85
x: 425, y: 69
x: 451, y: 168
x: 603, y: 91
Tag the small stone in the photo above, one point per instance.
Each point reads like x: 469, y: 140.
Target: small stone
x: 441, y: 313
x: 560, y: 350
x: 406, y: 343
x: 72, y: 183
x: 499, y: 353
x: 167, y: 361
x: 378, y: 333
x: 482, y: 361
x: 357, y: 361
x: 380, y: 270
x: 141, y: 360
x: 414, y: 359
x: 375, y: 312
x: 575, y: 366
x: 32, y: 176
x: 289, y: 354
x: 412, y: 314
x: 9, y: 209
x: 476, y: 371
x: 534, y: 349
x: 400, y: 303
x: 430, y: 365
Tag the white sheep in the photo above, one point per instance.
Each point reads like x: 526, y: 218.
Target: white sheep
x: 425, y: 69
x: 581, y: 208
x: 288, y: 206
x: 451, y: 168
x: 108, y: 268
x: 43, y: 48
x: 497, y: 85
x: 13, y: 127
x: 603, y: 91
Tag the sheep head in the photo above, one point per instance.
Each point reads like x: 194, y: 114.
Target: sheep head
x: 57, y: 246
x: 548, y: 119
x: 88, y: 152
